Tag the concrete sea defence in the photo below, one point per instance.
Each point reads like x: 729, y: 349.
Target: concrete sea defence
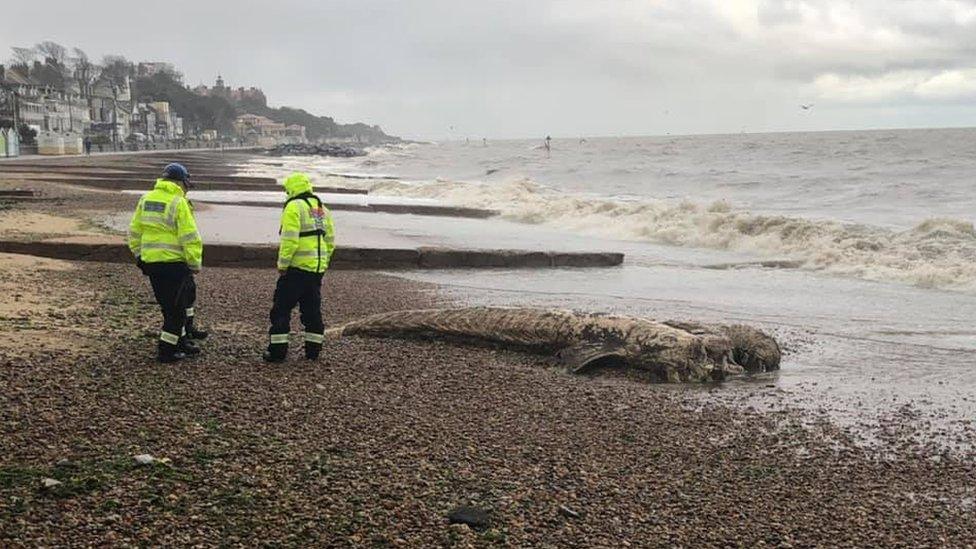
x: 22, y: 195
x: 124, y: 183
x: 256, y: 256
x: 414, y: 209
x: 136, y: 172
x: 139, y: 178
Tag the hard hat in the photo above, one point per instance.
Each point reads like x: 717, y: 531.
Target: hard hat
x: 176, y: 172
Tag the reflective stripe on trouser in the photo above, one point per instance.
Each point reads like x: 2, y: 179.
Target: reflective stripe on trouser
x: 313, y: 344
x: 169, y: 281
x: 297, y: 287
x: 278, y: 346
x: 191, y: 299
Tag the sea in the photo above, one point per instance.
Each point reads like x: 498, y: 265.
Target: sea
x: 855, y: 248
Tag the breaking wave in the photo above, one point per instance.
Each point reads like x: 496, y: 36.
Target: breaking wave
x: 937, y: 253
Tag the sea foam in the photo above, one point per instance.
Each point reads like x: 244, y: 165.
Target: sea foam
x: 937, y: 253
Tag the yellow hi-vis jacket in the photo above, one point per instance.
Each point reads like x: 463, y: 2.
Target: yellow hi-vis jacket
x: 307, y: 232
x: 162, y: 229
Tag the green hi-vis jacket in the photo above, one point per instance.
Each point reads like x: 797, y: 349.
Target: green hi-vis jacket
x: 162, y: 229
x: 307, y: 232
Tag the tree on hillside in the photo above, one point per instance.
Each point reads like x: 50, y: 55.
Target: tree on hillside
x: 84, y: 70
x: 117, y: 69
x: 52, y: 50
x: 23, y: 56
x: 198, y: 112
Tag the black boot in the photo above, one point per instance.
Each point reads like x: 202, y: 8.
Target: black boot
x: 169, y: 353
x: 276, y: 353
x: 192, y: 332
x: 312, y: 350
x: 188, y: 347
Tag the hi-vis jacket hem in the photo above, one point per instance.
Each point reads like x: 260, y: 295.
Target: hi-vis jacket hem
x: 162, y: 229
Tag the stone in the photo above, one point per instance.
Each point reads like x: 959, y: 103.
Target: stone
x: 311, y: 149
x: 567, y: 512
x: 474, y: 517
x: 145, y: 459
x: 50, y: 483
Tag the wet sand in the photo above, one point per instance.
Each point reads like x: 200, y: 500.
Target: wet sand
x: 380, y: 440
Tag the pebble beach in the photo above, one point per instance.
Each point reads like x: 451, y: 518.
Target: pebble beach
x: 378, y: 442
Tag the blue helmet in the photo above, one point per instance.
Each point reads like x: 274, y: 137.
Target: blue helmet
x: 176, y: 172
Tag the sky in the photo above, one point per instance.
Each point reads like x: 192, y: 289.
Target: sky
x: 440, y: 69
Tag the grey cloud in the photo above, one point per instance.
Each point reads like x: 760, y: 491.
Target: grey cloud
x: 778, y: 12
x: 517, y: 68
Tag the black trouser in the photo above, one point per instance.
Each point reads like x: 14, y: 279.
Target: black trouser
x: 191, y: 300
x: 169, y: 283
x: 303, y: 288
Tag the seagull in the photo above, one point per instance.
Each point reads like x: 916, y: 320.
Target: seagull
x: 806, y: 107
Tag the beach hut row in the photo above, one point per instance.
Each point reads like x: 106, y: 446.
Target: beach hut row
x: 9, y: 142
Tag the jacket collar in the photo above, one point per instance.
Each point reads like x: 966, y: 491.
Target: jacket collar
x: 168, y: 186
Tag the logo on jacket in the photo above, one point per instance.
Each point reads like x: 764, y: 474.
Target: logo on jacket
x: 318, y: 218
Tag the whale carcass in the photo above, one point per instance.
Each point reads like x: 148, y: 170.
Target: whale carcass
x: 670, y: 351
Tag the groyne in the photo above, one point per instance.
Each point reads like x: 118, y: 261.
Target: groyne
x: 265, y: 256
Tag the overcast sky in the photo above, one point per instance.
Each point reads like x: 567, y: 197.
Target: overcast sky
x: 526, y: 68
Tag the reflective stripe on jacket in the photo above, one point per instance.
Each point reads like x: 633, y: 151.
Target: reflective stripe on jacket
x: 163, y: 230
x: 305, y: 215
x: 313, y: 251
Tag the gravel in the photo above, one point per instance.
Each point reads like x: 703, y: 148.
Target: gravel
x: 378, y: 442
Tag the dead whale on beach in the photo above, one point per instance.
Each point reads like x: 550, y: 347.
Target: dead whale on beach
x: 673, y: 352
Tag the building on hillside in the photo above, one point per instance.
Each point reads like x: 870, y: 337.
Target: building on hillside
x: 156, y: 121
x: 259, y: 130
x: 22, y: 98
x: 65, y: 105
x: 168, y: 125
x: 142, y: 123
x: 110, y: 111
x: 44, y: 99
x: 237, y: 95
x: 152, y: 68
x: 295, y: 133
